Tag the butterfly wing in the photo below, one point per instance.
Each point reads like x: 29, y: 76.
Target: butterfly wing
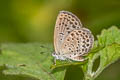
x: 65, y: 23
x: 77, y: 43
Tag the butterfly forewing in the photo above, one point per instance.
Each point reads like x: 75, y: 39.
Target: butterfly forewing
x: 66, y: 22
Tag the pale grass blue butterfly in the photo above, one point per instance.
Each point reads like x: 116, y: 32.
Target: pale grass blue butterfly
x: 71, y: 40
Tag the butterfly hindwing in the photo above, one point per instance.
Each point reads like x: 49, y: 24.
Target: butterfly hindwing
x: 77, y: 43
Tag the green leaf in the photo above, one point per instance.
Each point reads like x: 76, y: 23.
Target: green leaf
x: 110, y: 53
x: 31, y: 59
x: 106, y: 48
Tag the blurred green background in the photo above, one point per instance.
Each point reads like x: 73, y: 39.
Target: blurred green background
x: 34, y: 20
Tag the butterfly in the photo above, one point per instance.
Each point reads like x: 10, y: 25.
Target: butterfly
x: 71, y: 40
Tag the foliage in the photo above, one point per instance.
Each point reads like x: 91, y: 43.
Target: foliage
x: 106, y: 49
x: 33, y: 60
